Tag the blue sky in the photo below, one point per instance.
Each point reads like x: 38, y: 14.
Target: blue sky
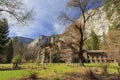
x: 45, y: 20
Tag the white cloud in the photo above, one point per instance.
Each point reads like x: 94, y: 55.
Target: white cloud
x: 59, y: 28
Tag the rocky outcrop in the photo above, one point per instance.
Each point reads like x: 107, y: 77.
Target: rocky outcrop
x: 40, y: 41
x: 98, y: 22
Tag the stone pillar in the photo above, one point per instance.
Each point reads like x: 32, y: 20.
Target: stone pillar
x: 115, y: 61
x: 90, y: 58
x: 50, y: 56
x: 100, y: 59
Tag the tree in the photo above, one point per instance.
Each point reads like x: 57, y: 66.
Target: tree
x: 112, y: 7
x: 88, y: 44
x: 113, y: 44
x: 95, y: 41
x: 31, y: 54
x: 3, y: 35
x: 18, y: 47
x: 16, y: 10
x: 83, y: 6
x: 9, y: 51
x: 16, y: 60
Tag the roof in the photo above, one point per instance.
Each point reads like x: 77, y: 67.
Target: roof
x: 96, y: 51
x: 100, y: 51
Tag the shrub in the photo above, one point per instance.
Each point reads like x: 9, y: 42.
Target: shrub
x: 16, y: 59
x: 105, y: 69
x: 31, y: 60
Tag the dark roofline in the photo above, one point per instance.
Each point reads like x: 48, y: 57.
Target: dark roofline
x: 94, y: 51
x: 100, y: 51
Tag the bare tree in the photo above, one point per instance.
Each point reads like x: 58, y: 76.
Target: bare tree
x: 30, y: 54
x: 16, y: 10
x: 83, y: 6
x: 112, y: 44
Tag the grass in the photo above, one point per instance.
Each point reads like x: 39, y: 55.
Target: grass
x: 13, y: 74
x: 48, y: 70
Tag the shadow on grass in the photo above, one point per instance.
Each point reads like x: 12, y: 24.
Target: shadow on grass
x: 89, y: 75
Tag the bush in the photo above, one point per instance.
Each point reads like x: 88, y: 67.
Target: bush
x: 31, y: 61
x: 105, y: 69
x: 16, y: 59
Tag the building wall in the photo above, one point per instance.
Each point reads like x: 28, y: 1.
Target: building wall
x: 98, y: 57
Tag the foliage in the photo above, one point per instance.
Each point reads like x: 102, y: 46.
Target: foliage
x: 16, y: 59
x: 93, y: 43
x: 112, y: 8
x: 88, y: 44
x: 3, y: 34
x: 9, y: 51
x: 95, y: 40
x: 6, y: 49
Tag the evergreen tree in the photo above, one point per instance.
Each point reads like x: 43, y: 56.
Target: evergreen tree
x: 9, y: 51
x: 95, y: 41
x: 3, y: 34
x: 88, y: 44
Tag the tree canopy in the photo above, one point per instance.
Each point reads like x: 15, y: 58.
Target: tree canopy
x: 3, y: 34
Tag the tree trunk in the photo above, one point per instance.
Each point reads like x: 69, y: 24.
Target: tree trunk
x: 15, y: 65
x: 50, y: 56
x: 38, y: 59
x: 81, y: 47
x: 81, y: 57
x: 43, y: 58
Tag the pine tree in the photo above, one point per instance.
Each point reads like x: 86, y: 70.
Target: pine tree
x: 95, y: 41
x: 9, y: 51
x: 4, y: 30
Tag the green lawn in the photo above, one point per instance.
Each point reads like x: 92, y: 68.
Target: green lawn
x: 13, y: 74
x: 47, y: 70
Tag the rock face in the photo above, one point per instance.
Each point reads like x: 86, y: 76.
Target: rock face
x: 40, y: 41
x: 98, y: 22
